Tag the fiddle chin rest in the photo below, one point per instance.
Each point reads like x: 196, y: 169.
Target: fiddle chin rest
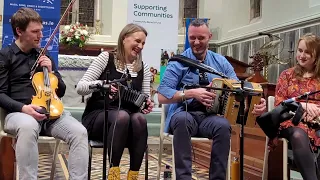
x: 42, y: 111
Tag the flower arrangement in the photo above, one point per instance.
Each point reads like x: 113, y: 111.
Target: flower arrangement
x: 75, y: 34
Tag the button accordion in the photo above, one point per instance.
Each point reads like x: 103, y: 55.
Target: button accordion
x: 226, y: 105
x: 133, y: 99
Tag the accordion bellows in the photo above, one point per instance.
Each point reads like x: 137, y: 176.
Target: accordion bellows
x: 226, y: 104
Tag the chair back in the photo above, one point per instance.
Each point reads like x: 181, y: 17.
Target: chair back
x: 3, y: 114
x: 271, y: 100
x: 164, y: 112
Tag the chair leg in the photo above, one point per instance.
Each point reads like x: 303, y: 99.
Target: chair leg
x: 90, y: 159
x: 146, y: 163
x: 285, y: 159
x: 160, y: 156
x: 173, y: 162
x: 265, y: 164
x: 229, y: 165
x: 55, y: 154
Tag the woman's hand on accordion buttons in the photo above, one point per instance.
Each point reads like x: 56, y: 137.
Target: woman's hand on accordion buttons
x: 261, y: 108
x: 150, y: 106
x: 308, y: 117
x: 312, y: 109
x: 113, y: 92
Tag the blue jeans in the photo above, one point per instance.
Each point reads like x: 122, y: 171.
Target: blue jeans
x: 27, y: 129
x: 183, y: 125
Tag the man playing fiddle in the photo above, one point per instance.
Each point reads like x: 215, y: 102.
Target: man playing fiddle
x: 16, y: 92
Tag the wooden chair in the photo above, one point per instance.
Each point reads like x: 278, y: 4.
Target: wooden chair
x: 168, y: 136
x: 3, y: 114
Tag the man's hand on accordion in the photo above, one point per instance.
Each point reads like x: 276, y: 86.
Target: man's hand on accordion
x: 204, y: 96
x: 261, y: 108
x: 150, y: 106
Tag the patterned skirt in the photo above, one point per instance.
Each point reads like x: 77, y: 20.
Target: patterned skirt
x: 312, y: 134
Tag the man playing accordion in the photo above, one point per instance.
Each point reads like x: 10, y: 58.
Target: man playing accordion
x: 197, y: 122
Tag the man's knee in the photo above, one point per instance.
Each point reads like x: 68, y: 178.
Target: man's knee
x: 23, y: 125
x: 79, y: 132
x: 181, y: 119
x: 224, y: 125
x: 217, y: 126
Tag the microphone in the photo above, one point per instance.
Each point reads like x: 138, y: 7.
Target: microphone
x: 129, y: 80
x: 298, y: 97
x: 196, y: 64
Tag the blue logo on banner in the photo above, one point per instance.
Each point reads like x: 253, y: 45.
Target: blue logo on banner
x: 49, y: 11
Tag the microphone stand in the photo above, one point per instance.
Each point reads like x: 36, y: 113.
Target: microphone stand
x: 240, y: 96
x: 105, y: 92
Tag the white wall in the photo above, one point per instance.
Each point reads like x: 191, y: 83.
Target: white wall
x: 233, y: 17
x: 212, y: 9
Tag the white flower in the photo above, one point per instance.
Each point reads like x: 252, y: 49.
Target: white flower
x: 84, y: 32
x: 71, y: 30
x: 77, y: 37
x: 66, y: 27
x: 68, y: 39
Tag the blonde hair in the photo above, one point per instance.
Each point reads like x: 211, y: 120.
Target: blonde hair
x: 120, y: 62
x: 313, y: 45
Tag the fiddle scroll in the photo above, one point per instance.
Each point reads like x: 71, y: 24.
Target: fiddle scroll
x: 46, y: 83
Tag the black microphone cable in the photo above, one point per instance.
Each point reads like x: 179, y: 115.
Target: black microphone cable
x: 115, y: 123
x: 184, y: 100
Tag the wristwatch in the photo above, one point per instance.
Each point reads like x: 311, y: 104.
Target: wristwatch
x: 182, y: 95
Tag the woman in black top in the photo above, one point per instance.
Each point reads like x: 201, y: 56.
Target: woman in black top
x: 128, y: 126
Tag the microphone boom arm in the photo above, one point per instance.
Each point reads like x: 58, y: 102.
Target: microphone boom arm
x: 196, y: 64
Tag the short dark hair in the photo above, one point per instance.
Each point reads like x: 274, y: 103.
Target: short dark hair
x: 23, y: 17
x: 198, y: 22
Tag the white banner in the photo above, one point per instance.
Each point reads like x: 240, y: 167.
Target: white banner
x: 160, y: 18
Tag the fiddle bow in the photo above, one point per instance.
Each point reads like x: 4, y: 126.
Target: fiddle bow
x: 45, y: 83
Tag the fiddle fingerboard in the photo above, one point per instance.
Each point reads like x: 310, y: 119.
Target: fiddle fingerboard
x: 46, y: 77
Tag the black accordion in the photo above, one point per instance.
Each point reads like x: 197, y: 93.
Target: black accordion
x: 270, y: 121
x: 131, y: 99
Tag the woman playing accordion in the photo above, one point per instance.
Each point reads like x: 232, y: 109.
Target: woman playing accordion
x: 127, y: 124
x: 303, y: 78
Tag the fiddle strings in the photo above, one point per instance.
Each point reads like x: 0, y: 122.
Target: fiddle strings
x: 43, y: 50
x: 47, y: 87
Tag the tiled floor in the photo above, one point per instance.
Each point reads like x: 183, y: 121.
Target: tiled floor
x: 97, y: 163
x: 96, y: 170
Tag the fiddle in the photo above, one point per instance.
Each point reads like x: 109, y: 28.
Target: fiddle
x: 45, y: 83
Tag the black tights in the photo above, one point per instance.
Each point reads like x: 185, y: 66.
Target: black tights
x: 302, y: 154
x: 130, y: 131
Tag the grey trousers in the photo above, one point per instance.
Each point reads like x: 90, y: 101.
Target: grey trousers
x: 27, y: 129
